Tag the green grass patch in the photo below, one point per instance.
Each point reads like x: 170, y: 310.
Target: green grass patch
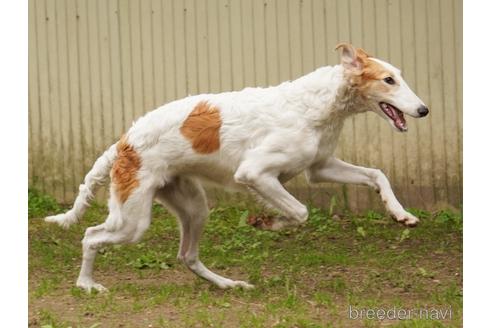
x: 304, y: 277
x: 40, y: 204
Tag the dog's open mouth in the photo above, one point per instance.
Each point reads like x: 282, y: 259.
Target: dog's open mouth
x: 395, y: 115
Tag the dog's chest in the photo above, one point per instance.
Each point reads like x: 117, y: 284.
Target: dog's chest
x: 326, y: 142
x: 329, y: 139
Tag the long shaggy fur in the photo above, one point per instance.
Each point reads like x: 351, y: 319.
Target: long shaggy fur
x: 96, y: 177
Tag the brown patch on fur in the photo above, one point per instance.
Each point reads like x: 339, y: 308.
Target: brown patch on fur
x: 202, y: 128
x: 125, y: 169
x: 371, y: 75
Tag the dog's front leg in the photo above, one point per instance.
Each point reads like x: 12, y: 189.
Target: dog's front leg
x: 266, y: 185
x: 335, y: 170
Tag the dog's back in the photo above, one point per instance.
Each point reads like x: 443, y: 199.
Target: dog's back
x: 207, y: 135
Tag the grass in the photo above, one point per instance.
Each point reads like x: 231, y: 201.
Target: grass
x: 40, y: 204
x: 305, y: 277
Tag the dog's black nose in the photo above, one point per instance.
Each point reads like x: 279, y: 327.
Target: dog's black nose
x: 423, y: 111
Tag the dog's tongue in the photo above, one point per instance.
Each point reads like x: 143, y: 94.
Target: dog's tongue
x: 398, y: 118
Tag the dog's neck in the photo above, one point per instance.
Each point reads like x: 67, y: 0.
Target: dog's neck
x: 325, y: 95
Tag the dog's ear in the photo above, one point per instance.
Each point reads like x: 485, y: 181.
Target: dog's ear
x: 350, y: 57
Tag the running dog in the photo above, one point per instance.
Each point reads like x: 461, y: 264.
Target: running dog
x: 252, y: 140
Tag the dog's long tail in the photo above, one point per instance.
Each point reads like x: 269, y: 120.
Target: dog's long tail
x: 95, y: 178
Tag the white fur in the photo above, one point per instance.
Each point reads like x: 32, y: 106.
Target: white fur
x: 95, y: 178
x: 268, y: 136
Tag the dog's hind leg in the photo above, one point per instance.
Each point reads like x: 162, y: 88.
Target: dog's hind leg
x: 186, y: 199
x: 135, y: 219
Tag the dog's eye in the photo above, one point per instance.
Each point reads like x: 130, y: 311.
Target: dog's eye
x: 389, y: 80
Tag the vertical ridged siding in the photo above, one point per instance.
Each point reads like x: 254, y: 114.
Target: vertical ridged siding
x: 96, y: 65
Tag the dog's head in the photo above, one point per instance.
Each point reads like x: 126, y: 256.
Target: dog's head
x: 381, y: 87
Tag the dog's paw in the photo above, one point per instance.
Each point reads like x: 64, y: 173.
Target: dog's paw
x: 89, y: 285
x: 243, y: 285
x: 407, y: 219
x: 235, y: 284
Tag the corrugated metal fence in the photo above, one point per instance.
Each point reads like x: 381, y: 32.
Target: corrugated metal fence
x: 96, y: 65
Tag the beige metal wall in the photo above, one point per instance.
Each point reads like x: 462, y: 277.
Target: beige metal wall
x: 96, y: 65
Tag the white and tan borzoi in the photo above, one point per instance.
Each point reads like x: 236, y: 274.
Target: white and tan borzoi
x: 251, y: 140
